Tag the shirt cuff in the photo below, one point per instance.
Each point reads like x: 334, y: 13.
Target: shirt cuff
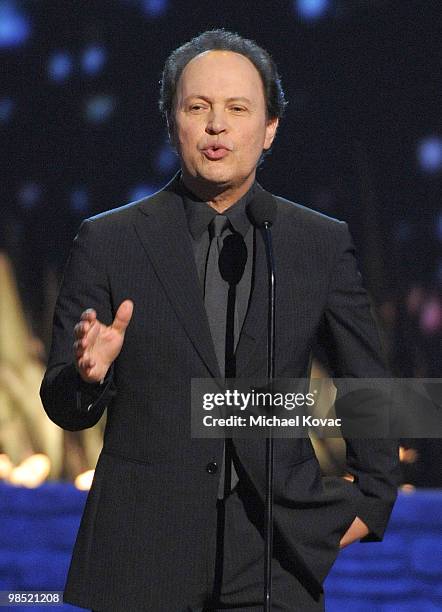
x: 89, y: 393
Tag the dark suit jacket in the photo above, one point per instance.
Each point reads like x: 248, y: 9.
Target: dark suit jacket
x: 150, y: 516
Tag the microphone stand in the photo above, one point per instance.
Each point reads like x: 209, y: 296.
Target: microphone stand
x: 268, y: 553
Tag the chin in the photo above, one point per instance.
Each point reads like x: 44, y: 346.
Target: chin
x: 218, y: 176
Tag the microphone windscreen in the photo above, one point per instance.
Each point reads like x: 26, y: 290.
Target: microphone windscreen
x: 233, y: 258
x: 262, y: 209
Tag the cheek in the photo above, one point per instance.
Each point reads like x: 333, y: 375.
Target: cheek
x: 183, y: 143
x: 252, y: 144
x: 188, y: 139
x: 254, y: 135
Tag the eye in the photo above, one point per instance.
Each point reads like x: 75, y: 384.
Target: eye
x: 197, y: 107
x: 238, y: 109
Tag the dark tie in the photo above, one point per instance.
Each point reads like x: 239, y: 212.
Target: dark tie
x: 215, y: 299
x: 216, y: 289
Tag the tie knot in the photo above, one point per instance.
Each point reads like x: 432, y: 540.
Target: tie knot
x: 219, y: 224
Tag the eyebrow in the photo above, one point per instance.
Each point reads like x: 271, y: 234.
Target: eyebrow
x: 231, y: 99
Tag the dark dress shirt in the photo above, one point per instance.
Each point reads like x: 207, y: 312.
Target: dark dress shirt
x: 199, y: 216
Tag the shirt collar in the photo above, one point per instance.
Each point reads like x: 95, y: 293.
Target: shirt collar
x: 199, y: 214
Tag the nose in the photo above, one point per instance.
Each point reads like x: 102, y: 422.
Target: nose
x: 216, y: 122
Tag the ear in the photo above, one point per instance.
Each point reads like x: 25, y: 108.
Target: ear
x: 271, y: 127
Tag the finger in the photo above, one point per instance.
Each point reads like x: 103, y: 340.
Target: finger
x: 81, y: 329
x: 84, y: 342
x: 83, y: 346
x: 92, y: 334
x: 86, y: 364
x: 78, y: 349
x: 88, y: 315
x: 123, y: 316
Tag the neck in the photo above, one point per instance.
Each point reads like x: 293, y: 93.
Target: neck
x: 219, y: 197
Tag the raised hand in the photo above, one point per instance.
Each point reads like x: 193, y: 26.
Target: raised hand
x: 97, y: 345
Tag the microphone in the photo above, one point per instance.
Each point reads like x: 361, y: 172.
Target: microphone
x: 233, y: 258
x: 262, y: 213
x: 232, y: 262
x: 262, y: 210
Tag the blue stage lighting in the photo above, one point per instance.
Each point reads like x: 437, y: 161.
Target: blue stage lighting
x: 99, y: 108
x: 93, y: 59
x: 15, y: 26
x: 311, y: 9
x: 167, y: 160
x: 6, y: 109
x: 141, y: 191
x: 154, y: 8
x: 79, y: 200
x: 429, y: 154
x: 60, y: 66
x: 29, y: 195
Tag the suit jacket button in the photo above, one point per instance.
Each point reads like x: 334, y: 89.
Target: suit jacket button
x: 212, y: 467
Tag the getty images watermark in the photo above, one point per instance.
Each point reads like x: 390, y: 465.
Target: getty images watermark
x: 295, y: 408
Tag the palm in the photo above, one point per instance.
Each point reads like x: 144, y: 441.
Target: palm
x: 105, y: 347
x: 98, y: 345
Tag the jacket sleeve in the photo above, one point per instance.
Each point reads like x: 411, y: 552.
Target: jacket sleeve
x: 69, y: 401
x: 350, y: 339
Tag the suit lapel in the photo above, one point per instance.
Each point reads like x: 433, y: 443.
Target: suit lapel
x: 255, y: 323
x: 162, y: 229
x: 253, y: 336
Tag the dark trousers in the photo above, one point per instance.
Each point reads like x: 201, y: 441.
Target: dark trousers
x: 236, y: 582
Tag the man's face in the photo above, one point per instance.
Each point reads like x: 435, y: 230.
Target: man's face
x: 220, y: 126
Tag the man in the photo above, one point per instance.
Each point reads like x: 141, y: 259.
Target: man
x: 164, y: 529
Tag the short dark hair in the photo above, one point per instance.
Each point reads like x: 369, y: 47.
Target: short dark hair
x: 221, y: 40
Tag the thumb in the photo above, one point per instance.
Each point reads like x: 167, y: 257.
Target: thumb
x: 123, y: 316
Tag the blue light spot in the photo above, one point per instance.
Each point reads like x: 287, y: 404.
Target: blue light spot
x: 167, y: 159
x: 100, y: 108
x: 15, y: 26
x: 29, y: 195
x: 154, y: 8
x: 6, y: 109
x: 79, y: 200
x: 141, y: 191
x: 60, y: 66
x: 429, y: 154
x: 93, y: 59
x: 311, y: 9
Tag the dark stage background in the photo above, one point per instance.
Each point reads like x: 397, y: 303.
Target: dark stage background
x: 80, y: 133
